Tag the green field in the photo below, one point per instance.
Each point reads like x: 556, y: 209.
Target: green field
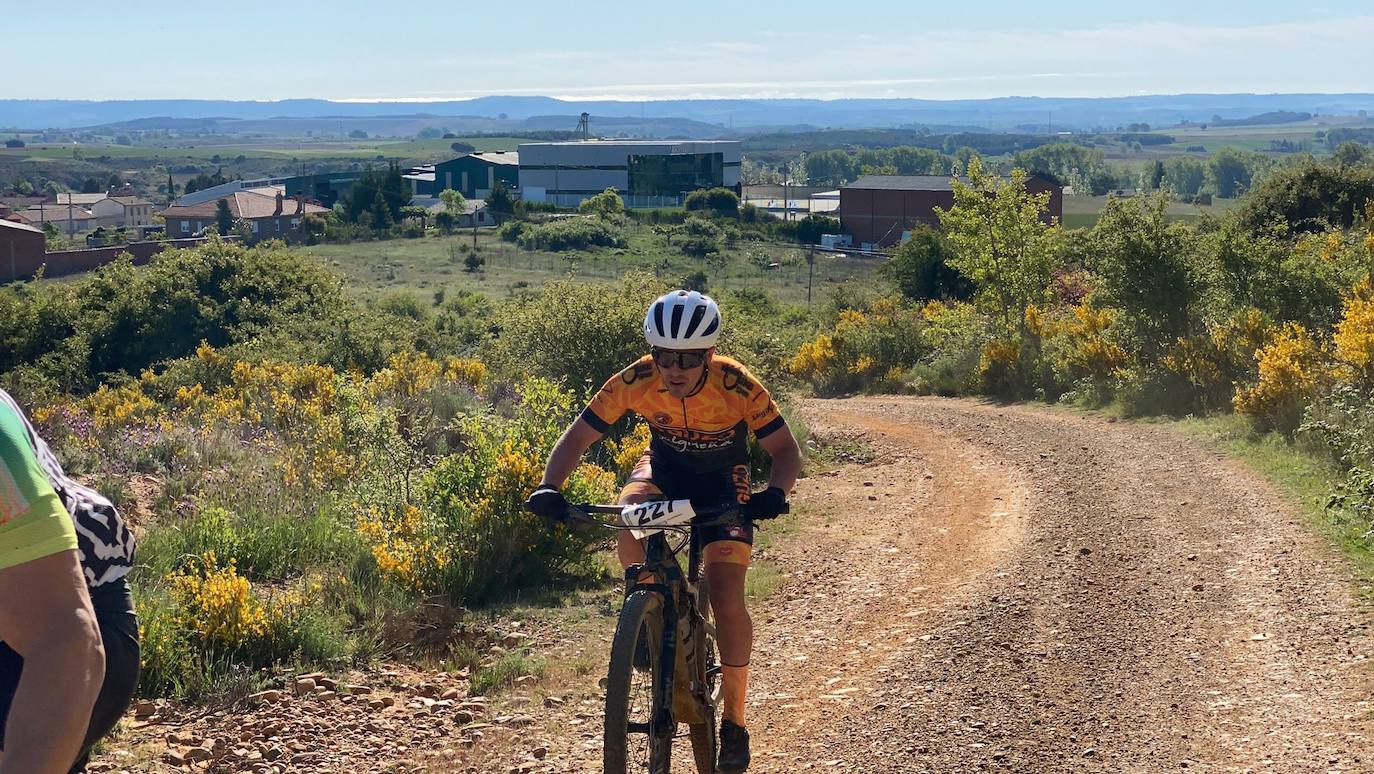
x: 425, y: 265
x: 1083, y: 211
x: 278, y: 150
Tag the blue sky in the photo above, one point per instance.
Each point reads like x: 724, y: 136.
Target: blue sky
x: 436, y: 49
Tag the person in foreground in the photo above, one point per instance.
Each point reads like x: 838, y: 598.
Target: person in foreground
x: 69, y: 655
x: 700, y: 408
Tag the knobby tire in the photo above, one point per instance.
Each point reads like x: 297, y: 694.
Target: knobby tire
x: 641, y: 615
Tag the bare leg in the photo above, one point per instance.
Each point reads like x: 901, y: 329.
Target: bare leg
x: 629, y: 550
x: 734, y: 635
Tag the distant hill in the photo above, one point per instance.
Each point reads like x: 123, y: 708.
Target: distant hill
x: 730, y: 115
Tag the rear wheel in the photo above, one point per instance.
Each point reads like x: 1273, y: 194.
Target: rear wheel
x: 633, y: 742
x: 705, y: 744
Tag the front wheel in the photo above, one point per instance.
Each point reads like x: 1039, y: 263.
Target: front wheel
x: 633, y: 742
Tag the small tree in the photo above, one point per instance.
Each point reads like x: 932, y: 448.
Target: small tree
x: 604, y: 205
x: 1001, y: 243
x: 720, y: 201
x: 500, y: 202
x: 14, y: 143
x: 453, y: 200
x: 445, y: 221
x: 473, y: 262
x: 416, y: 212
x: 920, y: 268
x: 224, y: 219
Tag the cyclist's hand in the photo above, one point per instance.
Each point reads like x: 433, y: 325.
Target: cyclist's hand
x: 548, y: 503
x: 766, y: 504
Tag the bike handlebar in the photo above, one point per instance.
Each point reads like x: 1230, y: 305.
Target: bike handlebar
x: 706, y: 515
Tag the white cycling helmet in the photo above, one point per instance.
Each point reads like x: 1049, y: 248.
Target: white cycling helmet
x: 682, y: 319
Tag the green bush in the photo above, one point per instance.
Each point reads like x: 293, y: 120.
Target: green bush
x: 718, y: 201
x: 569, y: 234
x: 920, y: 269
x: 576, y: 332
x: 701, y: 238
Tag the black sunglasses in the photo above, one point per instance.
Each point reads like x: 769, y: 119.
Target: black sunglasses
x: 683, y: 359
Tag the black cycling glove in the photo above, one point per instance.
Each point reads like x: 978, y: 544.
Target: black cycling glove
x: 766, y: 504
x: 548, y: 503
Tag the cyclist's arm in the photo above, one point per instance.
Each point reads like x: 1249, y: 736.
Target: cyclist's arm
x: 786, y: 454
x: 46, y: 617
x: 567, y: 453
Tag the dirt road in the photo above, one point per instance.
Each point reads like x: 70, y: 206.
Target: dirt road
x: 1001, y: 588
x: 1028, y: 590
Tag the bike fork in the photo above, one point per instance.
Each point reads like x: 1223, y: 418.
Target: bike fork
x: 662, y: 722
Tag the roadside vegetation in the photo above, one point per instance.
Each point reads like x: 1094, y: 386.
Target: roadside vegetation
x: 317, y: 442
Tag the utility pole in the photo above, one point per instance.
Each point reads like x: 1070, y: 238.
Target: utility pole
x: 810, y: 271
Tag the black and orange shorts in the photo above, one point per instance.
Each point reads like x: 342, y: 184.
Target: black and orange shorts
x: 723, y: 543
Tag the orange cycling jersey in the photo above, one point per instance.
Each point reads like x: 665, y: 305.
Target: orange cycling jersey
x: 708, y: 430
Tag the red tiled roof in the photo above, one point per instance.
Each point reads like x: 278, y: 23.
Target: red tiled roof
x: 243, y: 204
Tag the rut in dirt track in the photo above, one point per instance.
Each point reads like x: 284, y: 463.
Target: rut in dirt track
x: 1026, y: 589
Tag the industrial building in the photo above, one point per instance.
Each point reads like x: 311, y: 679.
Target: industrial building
x: 878, y: 210
x: 647, y: 173
x: 474, y: 175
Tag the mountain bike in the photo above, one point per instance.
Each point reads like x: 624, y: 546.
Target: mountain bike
x: 663, y: 668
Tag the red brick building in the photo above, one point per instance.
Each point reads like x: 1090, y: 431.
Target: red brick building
x: 877, y: 209
x: 268, y: 213
x: 21, y: 250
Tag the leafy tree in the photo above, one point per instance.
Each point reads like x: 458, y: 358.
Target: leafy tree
x: 445, y: 221
x: 908, y: 160
x: 14, y: 143
x: 224, y: 219
x: 1069, y: 164
x: 1349, y: 154
x: 357, y: 134
x: 1185, y: 176
x: 416, y: 212
x: 811, y: 227
x: 53, y: 188
x: 90, y: 185
x: 1001, y: 242
x: 1156, y: 176
x: 123, y: 139
x: 473, y: 262
x: 381, y: 214
x: 500, y: 202
x: 453, y: 200
x: 721, y: 201
x: 429, y: 133
x: 171, y: 187
x: 1233, y: 171
x: 1309, y: 196
x: 604, y: 205
x: 920, y: 269
x: 1144, y: 263
x: 23, y: 187
x: 832, y: 167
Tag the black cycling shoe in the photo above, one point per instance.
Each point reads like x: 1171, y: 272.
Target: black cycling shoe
x: 734, y: 748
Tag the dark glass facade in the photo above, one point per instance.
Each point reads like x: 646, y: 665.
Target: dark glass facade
x: 671, y: 175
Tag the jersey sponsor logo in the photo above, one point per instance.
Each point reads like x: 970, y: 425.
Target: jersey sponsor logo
x: 739, y: 475
x: 769, y: 411
x: 636, y: 372
x: 736, y: 532
x: 735, y: 381
x: 688, y: 440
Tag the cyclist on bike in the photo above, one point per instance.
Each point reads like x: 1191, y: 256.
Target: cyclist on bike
x: 700, y: 407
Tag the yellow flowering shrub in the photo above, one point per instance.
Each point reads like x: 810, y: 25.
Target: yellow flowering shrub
x: 466, y: 533
x: 1290, y: 369
x: 1090, y: 352
x: 1354, y: 336
x: 120, y: 406
x: 870, y: 347
x: 626, y: 451
x: 1216, y: 361
x: 218, y: 604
